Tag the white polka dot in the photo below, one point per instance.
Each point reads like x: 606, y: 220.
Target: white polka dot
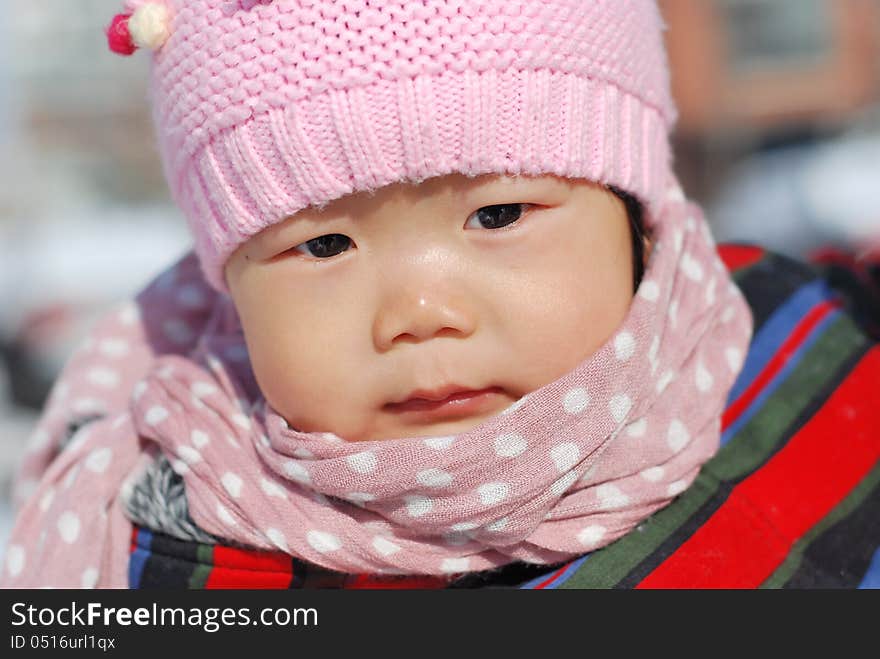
x: 191, y: 296
x: 322, y: 541
x: 180, y: 467
x: 652, y: 474
x: 691, y: 268
x: 138, y: 389
x: 619, y: 406
x: 38, y: 441
x: 637, y: 428
x: 103, y: 377
x: 359, y: 498
x: 675, y: 193
x: 734, y: 358
x: 611, y: 497
x: 129, y: 314
x: 510, y: 445
x: 677, y: 436
x: 561, y: 485
x: 439, y: 443
x: 15, y: 560
x: 451, y: 565
x: 434, y: 478
x: 166, y: 372
x: 493, y: 492
x: 119, y: 421
x: 664, y: 381
x: 464, y: 526
x: 727, y: 314
x: 690, y: 223
x: 272, y: 489
x: 114, y: 348
x: 457, y: 538
x: 46, y: 499
x: 497, y: 526
x: 70, y: 478
x: 189, y: 455
x: 89, y: 577
x: 225, y: 516
x: 303, y: 453
x: 202, y: 389
x: 652, y: 351
x: 363, y: 463
x: 710, y: 292
x: 515, y: 406
x: 418, y: 505
x: 177, y: 331
x: 591, y: 535
x: 99, y: 460
x: 384, y: 546
x: 703, y: 378
x: 232, y: 483
x: 649, y: 290
x: 565, y: 456
x: 576, y: 400
x: 199, y: 438
x: 89, y: 406
x: 241, y: 421
x: 156, y: 415
x: 296, y: 471
x: 676, y: 487
x: 672, y: 312
x: 232, y: 441
x: 68, y: 527
x: 277, y: 538
x: 624, y: 346
x: 677, y: 240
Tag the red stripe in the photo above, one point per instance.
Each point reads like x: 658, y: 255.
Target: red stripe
x: 736, y: 257
x: 780, y: 359
x: 221, y: 577
x: 750, y: 535
x: 553, y: 576
x: 271, y: 561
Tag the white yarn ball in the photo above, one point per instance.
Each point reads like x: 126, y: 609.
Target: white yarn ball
x: 148, y: 26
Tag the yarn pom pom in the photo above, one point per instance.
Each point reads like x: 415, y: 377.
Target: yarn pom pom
x: 118, y: 36
x: 149, y: 26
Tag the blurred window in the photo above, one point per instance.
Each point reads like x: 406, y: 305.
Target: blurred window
x: 777, y: 34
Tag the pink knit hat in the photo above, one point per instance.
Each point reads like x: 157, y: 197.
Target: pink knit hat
x: 265, y: 107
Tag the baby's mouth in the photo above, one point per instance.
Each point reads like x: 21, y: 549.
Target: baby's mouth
x: 448, y: 402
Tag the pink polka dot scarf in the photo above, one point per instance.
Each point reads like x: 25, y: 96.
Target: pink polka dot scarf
x: 565, y: 470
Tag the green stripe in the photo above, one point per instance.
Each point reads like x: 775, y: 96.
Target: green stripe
x: 205, y: 558
x: 842, y: 510
x: 746, y: 451
x: 755, y: 440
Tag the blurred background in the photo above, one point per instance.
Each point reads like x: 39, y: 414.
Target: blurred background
x: 778, y: 137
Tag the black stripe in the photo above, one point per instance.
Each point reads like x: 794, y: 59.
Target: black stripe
x: 768, y: 283
x: 839, y: 557
x: 695, y: 521
x: 162, y: 571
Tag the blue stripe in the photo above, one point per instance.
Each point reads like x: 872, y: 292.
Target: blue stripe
x: 775, y: 330
x: 138, y: 558
x: 572, y: 567
x: 872, y: 576
x: 780, y: 377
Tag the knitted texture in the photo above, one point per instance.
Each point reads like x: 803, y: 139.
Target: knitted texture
x: 266, y: 107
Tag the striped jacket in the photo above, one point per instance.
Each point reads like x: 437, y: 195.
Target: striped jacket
x: 791, y: 499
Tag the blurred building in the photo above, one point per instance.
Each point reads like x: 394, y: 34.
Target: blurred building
x: 752, y: 73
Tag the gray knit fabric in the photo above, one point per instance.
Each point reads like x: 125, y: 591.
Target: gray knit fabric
x: 158, y: 503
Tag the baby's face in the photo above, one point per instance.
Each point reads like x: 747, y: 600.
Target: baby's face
x: 423, y: 310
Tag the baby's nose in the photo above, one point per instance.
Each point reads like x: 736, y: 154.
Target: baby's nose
x: 412, y: 317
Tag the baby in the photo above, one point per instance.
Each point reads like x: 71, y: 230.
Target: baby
x: 448, y: 314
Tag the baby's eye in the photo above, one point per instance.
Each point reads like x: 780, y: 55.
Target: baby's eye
x: 324, y: 247
x: 497, y: 216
